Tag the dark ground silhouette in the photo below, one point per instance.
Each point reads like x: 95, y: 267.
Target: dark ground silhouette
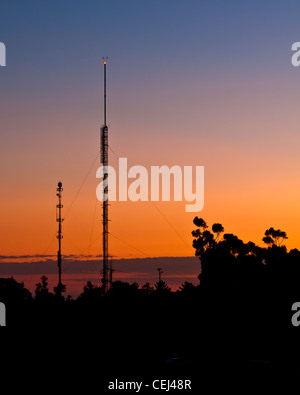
x: 236, y: 322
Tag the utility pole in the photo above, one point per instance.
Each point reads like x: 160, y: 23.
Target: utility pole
x: 59, y: 219
x: 107, y: 269
x: 160, y: 271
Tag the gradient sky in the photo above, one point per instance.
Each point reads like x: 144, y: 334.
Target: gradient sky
x: 189, y: 83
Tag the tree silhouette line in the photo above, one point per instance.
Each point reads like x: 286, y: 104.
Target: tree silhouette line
x: 241, y: 307
x: 228, y: 267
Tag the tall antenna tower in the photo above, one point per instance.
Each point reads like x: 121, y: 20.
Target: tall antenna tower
x: 59, y: 219
x: 107, y: 269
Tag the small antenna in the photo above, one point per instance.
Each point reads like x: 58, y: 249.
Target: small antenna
x: 160, y: 271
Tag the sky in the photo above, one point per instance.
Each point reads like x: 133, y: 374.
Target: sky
x: 198, y: 83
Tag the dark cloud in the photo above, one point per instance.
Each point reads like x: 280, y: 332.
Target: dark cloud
x: 3, y: 257
x: 172, y: 266
x: 77, y: 272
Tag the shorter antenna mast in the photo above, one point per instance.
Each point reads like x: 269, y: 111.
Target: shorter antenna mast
x: 59, y: 219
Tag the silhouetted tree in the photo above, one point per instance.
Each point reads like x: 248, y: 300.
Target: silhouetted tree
x: 123, y: 289
x: 13, y: 291
x: 203, y: 238
x: 234, y: 244
x: 42, y: 290
x: 218, y: 229
x: 91, y: 294
x: 200, y: 223
x: 59, y: 290
x: 226, y: 265
x: 18, y: 302
x: 187, y: 289
x: 161, y: 287
x: 147, y: 288
x: 274, y: 237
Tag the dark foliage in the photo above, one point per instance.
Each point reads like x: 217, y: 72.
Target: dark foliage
x: 238, y: 315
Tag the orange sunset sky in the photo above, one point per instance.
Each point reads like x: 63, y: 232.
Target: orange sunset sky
x: 195, y: 85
